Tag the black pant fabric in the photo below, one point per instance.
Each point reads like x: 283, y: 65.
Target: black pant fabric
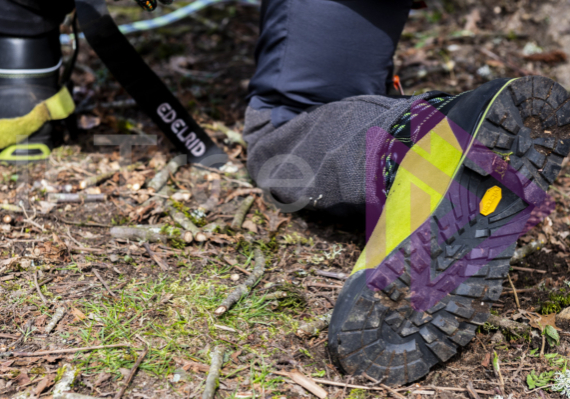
x: 314, y: 52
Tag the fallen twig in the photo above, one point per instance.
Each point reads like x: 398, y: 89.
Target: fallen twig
x: 30, y: 220
x: 393, y: 392
x: 8, y: 336
x: 160, y: 179
x: 11, y: 208
x: 315, y: 326
x: 131, y: 374
x: 497, y: 370
x: 513, y: 326
x: 238, y: 182
x: 71, y: 350
x: 150, y: 233
x: 242, y: 191
x: 514, y: 291
x: 308, y: 383
x: 217, y: 356
x: 521, y: 291
x: 63, y: 198
x: 98, y: 179
x: 155, y: 258
x: 104, y: 283
x: 180, y: 218
x: 338, y: 276
x: 244, y: 289
x: 471, y: 390
x: 57, y: 316
x: 527, y: 269
x: 38, y: 288
x: 83, y: 224
x: 526, y: 250
x: 242, y: 211
x: 214, y: 197
x: 275, y: 295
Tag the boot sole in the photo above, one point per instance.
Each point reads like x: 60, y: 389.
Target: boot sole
x: 379, y: 333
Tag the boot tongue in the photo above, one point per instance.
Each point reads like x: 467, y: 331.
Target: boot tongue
x: 400, y: 131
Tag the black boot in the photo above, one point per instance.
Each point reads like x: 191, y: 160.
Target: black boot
x: 32, y: 102
x: 471, y: 175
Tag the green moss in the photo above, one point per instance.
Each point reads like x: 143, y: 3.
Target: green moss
x: 196, y: 216
x: 557, y: 300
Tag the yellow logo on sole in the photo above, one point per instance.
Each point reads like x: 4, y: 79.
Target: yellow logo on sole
x: 490, y: 200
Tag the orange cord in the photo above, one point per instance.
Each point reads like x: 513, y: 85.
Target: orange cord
x: 398, y: 85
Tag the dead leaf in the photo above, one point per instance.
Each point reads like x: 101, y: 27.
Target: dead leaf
x: 79, y: 315
x: 230, y: 261
x: 22, y: 378
x: 102, y: 378
x: 87, y: 122
x: 46, y: 207
x: 41, y: 386
x: 249, y: 225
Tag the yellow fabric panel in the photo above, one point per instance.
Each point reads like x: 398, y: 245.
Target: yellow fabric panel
x: 57, y: 107
x: 61, y: 105
x: 421, y: 181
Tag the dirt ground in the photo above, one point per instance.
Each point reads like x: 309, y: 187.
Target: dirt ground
x: 113, y: 290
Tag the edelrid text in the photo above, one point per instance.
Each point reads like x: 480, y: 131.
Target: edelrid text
x: 181, y: 130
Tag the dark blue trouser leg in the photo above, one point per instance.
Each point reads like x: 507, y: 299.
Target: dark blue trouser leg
x: 313, y: 52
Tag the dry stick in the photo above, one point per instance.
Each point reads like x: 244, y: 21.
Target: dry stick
x: 242, y: 191
x: 526, y: 269
x: 131, y: 374
x: 314, y: 327
x: 104, y: 283
x: 8, y: 336
x: 514, y: 291
x: 244, y: 289
x: 180, y: 218
x: 214, y: 373
x: 338, y: 276
x: 38, y: 288
x: 513, y: 326
x: 307, y: 383
x: 160, y: 179
x: 30, y: 220
x: 497, y: 370
x: 57, y: 316
x: 159, y: 198
x: 238, y: 182
x: 471, y: 390
x: 521, y: 291
x: 242, y: 211
x: 62, y: 198
x: 95, y: 180
x: 83, y: 224
x: 11, y: 208
x: 150, y: 233
x: 526, y: 250
x: 396, y: 394
x: 275, y: 295
x: 155, y: 258
x: 214, y: 198
x: 59, y: 351
x: 543, y: 344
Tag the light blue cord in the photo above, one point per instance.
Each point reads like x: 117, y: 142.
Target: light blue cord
x: 164, y: 20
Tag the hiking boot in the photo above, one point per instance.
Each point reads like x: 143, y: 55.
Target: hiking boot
x: 32, y: 102
x: 464, y: 176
